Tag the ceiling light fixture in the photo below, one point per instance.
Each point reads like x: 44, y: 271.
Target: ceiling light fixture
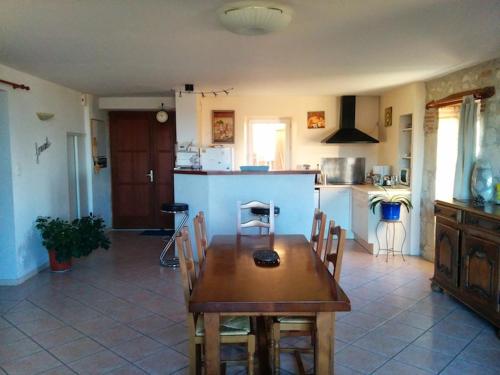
x: 254, y: 17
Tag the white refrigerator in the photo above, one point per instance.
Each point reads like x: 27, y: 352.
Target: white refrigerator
x: 216, y: 158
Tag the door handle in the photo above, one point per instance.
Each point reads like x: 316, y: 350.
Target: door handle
x: 150, y: 175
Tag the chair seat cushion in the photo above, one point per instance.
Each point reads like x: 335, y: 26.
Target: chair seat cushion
x: 296, y: 319
x: 264, y: 211
x: 174, y: 207
x: 229, y: 326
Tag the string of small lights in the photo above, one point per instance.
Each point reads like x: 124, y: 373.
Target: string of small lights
x: 204, y: 93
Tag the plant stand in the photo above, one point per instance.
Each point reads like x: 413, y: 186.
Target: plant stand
x: 390, y: 245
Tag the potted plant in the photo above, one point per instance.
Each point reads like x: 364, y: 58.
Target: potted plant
x: 89, y: 235
x: 65, y: 240
x: 390, y: 204
x: 59, y: 238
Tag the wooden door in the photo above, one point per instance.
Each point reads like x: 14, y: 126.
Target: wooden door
x: 447, y: 251
x: 480, y: 283
x: 142, y: 162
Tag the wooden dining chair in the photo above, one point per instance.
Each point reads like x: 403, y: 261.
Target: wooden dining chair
x: 318, y: 231
x: 200, y: 235
x: 233, y: 330
x: 254, y: 222
x: 305, y: 325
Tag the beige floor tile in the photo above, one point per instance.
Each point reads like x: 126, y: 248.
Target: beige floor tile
x: 381, y: 344
x: 165, y: 361
x: 96, y: 326
x: 399, y: 331
x: 398, y: 368
x: 150, y: 324
x: 172, y: 335
x: 383, y: 310
x: 61, y: 370
x: 451, y: 328
x: 461, y: 367
x: 424, y: 359
x: 32, y: 364
x: 482, y: 356
x: 75, y: 350
x: 441, y: 343
x: 99, y: 363
x: 359, y: 359
x: 39, y: 326
x: 128, y: 369
x: 10, y: 334
x: 57, y: 337
x: 116, y: 335
x: 137, y: 348
x: 18, y: 349
x: 415, y: 320
x: 363, y: 320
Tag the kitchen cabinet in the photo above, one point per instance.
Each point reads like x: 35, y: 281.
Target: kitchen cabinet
x: 335, y: 202
x: 467, y: 256
x: 365, y: 221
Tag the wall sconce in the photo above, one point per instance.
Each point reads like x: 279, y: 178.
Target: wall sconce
x: 44, y: 116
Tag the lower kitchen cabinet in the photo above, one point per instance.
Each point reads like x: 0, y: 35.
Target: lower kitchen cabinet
x: 467, y: 256
x: 335, y: 202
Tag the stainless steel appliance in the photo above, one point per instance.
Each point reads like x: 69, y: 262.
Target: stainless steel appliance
x: 348, y: 171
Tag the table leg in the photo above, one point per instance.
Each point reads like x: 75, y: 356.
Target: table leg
x: 212, y: 343
x: 324, y: 338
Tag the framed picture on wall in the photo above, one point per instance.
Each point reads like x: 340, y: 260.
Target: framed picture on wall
x: 316, y: 120
x: 223, y: 127
x: 388, y: 117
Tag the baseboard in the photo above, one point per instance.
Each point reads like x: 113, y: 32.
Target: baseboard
x: 20, y: 280
x: 367, y: 246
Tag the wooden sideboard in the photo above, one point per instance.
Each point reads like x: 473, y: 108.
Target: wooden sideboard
x: 467, y: 256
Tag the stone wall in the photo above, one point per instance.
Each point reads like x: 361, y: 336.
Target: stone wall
x: 485, y: 74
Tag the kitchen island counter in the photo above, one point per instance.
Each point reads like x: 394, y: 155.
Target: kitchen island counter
x: 216, y: 193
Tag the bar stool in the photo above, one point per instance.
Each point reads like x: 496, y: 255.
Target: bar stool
x: 173, y: 208
x: 263, y: 214
x: 390, y: 249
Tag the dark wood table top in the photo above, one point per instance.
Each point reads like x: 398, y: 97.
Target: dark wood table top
x: 230, y: 281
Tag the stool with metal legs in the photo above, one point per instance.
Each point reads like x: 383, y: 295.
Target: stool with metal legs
x: 173, y: 208
x: 390, y: 249
x: 263, y: 214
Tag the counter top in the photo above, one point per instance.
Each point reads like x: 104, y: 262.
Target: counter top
x: 367, y: 188
x: 490, y: 209
x: 226, y: 173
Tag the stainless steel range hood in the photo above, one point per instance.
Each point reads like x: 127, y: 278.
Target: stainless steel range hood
x: 347, y: 132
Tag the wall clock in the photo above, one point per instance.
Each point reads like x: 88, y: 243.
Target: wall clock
x: 162, y: 115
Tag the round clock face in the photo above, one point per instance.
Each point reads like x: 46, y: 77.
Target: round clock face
x: 161, y: 116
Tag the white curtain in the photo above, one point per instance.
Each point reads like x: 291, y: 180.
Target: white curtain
x: 466, y: 148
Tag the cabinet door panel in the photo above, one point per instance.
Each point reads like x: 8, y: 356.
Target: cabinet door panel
x: 336, y: 204
x: 480, y: 270
x: 447, y: 251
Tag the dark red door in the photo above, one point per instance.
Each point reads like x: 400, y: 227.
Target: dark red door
x: 142, y: 162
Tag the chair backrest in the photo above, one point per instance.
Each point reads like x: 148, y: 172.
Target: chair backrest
x: 186, y: 262
x: 188, y: 273
x: 255, y: 222
x: 318, y: 231
x: 200, y: 235
x: 335, y: 258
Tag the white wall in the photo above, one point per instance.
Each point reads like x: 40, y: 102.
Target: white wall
x: 405, y: 100
x: 306, y: 143
x: 135, y: 103
x: 38, y: 189
x: 100, y: 183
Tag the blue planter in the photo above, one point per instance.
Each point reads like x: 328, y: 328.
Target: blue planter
x: 391, y: 210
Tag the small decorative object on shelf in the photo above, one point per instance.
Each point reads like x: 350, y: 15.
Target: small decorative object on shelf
x: 482, y: 183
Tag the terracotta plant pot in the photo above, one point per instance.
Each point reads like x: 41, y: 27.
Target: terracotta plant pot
x: 56, y: 266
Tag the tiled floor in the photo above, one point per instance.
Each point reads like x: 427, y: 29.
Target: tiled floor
x: 118, y: 312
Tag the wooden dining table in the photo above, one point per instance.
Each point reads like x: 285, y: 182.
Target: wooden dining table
x: 230, y: 283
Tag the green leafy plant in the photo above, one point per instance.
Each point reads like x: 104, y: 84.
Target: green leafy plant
x: 58, y: 235
x: 76, y: 239
x: 386, y: 197
x: 90, y: 235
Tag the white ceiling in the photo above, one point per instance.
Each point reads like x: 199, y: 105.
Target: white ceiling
x: 148, y: 47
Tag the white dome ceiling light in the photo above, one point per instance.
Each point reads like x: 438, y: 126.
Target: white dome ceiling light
x: 254, y: 17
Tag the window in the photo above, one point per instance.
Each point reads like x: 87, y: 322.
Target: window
x: 269, y: 143
x: 447, y: 146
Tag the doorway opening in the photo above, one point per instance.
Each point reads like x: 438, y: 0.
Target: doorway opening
x: 269, y: 143
x: 77, y: 176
